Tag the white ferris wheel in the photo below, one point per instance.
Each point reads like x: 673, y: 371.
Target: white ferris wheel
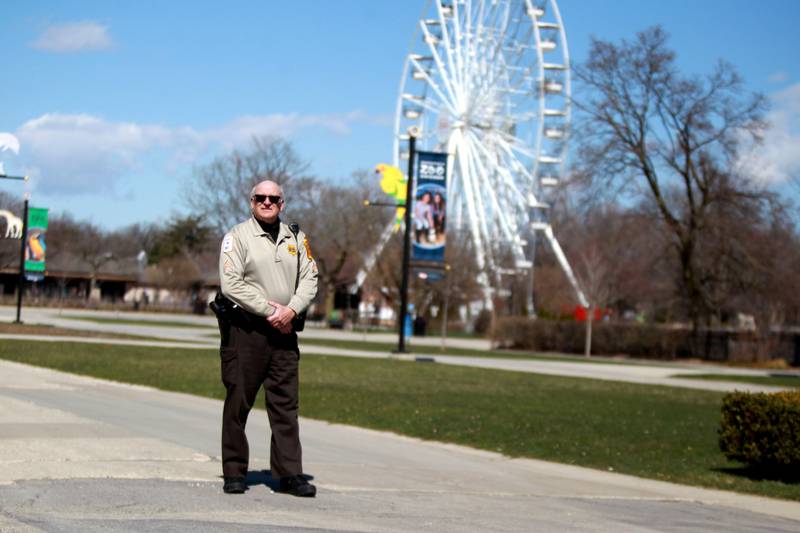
x: 488, y: 82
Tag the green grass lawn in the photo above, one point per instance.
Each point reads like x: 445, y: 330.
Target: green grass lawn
x: 778, y: 381
x: 657, y: 432
x: 134, y: 322
x: 387, y: 347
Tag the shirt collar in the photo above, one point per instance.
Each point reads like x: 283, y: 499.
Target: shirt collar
x: 283, y: 232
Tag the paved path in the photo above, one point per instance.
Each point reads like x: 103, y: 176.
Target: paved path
x: 80, y: 454
x: 425, y: 348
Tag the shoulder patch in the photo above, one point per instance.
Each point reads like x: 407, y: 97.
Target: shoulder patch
x: 227, y: 243
x: 308, y: 248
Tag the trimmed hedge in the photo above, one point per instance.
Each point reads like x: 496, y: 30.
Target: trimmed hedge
x: 637, y: 340
x: 644, y: 340
x: 762, y: 430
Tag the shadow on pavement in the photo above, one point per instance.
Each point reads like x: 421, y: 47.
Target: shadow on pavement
x: 264, y: 477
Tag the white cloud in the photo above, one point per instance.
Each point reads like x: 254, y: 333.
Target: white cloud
x: 777, y: 159
x: 74, y: 37
x: 85, y: 154
x: 239, y: 131
x: 777, y: 77
x: 82, y: 153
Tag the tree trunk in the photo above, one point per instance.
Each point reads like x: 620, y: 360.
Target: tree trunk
x: 587, y: 348
x: 330, y: 293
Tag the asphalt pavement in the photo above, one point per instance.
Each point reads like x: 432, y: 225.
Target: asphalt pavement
x: 81, y: 454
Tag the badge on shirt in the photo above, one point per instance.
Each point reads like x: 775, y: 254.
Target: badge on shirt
x: 308, y: 248
x: 227, y: 244
x: 292, y: 249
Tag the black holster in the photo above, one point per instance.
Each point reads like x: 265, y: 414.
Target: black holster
x: 299, y: 322
x: 229, y: 312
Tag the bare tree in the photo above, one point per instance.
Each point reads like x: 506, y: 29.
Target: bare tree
x: 670, y: 141
x: 768, y: 252
x: 340, y: 228
x: 93, y: 248
x: 638, y: 264
x: 128, y: 241
x: 177, y: 273
x: 219, y: 190
x: 460, y: 287
x: 593, y: 271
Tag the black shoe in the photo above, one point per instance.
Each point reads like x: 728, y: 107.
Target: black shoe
x: 298, y: 486
x: 234, y: 485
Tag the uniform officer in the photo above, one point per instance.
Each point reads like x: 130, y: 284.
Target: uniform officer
x: 269, y: 272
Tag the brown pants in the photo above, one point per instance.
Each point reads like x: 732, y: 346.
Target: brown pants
x: 252, y: 358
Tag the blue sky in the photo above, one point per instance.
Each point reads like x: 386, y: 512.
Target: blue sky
x: 115, y: 103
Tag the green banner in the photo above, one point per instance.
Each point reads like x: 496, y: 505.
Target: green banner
x: 35, y: 243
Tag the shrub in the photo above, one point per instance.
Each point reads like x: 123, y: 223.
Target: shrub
x: 762, y: 430
x: 636, y: 340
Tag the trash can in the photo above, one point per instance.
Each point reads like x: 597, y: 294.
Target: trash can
x: 420, y: 325
x: 407, y: 327
x: 335, y: 319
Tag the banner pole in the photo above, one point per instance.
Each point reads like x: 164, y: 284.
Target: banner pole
x: 401, y: 342
x: 21, y: 279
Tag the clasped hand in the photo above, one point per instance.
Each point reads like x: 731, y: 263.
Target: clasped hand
x: 281, y: 319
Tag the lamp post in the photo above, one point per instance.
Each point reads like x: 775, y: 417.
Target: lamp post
x: 21, y: 278
x: 401, y: 342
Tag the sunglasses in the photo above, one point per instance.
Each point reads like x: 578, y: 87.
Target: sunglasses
x: 260, y: 198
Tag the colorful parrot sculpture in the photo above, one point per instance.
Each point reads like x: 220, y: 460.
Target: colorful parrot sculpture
x: 395, y: 184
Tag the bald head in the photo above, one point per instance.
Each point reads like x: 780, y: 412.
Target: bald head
x: 266, y: 201
x: 266, y: 183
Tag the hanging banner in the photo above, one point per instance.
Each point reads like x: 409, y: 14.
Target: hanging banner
x: 35, y: 243
x: 430, y: 208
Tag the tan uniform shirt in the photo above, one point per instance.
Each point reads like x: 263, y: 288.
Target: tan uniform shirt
x: 254, y: 269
